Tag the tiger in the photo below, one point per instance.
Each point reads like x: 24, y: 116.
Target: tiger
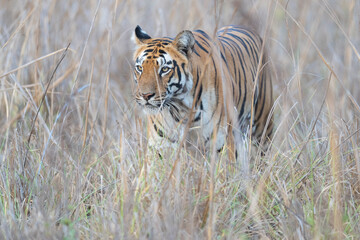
x: 202, y: 88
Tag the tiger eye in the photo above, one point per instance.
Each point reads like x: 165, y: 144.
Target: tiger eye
x: 164, y: 69
x: 139, y: 68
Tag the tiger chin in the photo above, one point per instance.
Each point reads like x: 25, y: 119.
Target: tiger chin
x: 204, y: 89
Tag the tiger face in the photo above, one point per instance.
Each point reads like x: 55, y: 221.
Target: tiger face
x: 161, y: 70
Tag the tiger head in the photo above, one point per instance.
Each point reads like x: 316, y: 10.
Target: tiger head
x: 162, y: 69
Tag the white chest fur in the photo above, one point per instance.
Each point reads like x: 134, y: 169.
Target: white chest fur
x: 166, y: 131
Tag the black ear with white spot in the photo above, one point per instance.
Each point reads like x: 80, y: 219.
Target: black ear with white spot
x: 185, y: 42
x: 140, y: 35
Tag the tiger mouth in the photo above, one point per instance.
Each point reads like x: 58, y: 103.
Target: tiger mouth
x: 154, y: 106
x: 151, y: 108
x: 149, y: 105
x: 156, y: 103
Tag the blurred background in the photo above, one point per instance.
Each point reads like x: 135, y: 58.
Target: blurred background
x: 73, y: 161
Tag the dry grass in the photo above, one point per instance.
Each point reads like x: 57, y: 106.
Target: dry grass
x: 73, y: 162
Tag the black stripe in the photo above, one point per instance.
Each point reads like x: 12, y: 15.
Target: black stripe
x: 236, y: 47
x: 200, y: 46
x: 167, y: 40
x: 222, y: 43
x: 204, y: 34
x: 172, y: 109
x: 216, y: 82
x: 254, y: 53
x: 186, y: 74
x: 194, y: 50
x: 242, y: 62
x: 270, y: 129
x: 158, y: 131
x: 241, y: 40
x: 240, y: 56
x: 204, y: 40
x: 220, y: 118
x: 178, y: 84
x: 243, y: 103
x: 174, y: 116
x: 163, y: 57
x: 263, y: 87
x: 245, y: 32
x: 198, y: 117
x: 224, y: 59
x: 220, y: 149
x: 197, y: 80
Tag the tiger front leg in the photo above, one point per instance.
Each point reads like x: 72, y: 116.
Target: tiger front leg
x: 242, y: 154
x: 161, y: 144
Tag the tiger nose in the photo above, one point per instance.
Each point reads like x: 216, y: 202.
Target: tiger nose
x: 147, y: 96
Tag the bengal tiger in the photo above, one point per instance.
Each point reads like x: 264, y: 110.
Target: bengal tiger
x: 208, y: 89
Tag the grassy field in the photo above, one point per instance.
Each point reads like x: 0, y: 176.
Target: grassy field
x: 74, y: 161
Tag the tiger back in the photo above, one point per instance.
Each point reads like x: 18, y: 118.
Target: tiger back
x: 204, y: 89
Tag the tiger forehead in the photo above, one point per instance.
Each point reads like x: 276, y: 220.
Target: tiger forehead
x: 154, y: 56
x: 155, y: 48
x: 159, y: 43
x: 154, y: 51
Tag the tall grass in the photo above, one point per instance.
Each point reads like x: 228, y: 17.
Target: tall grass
x: 73, y: 156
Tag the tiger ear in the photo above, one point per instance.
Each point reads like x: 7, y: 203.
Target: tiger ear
x: 140, y: 36
x: 185, y: 42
